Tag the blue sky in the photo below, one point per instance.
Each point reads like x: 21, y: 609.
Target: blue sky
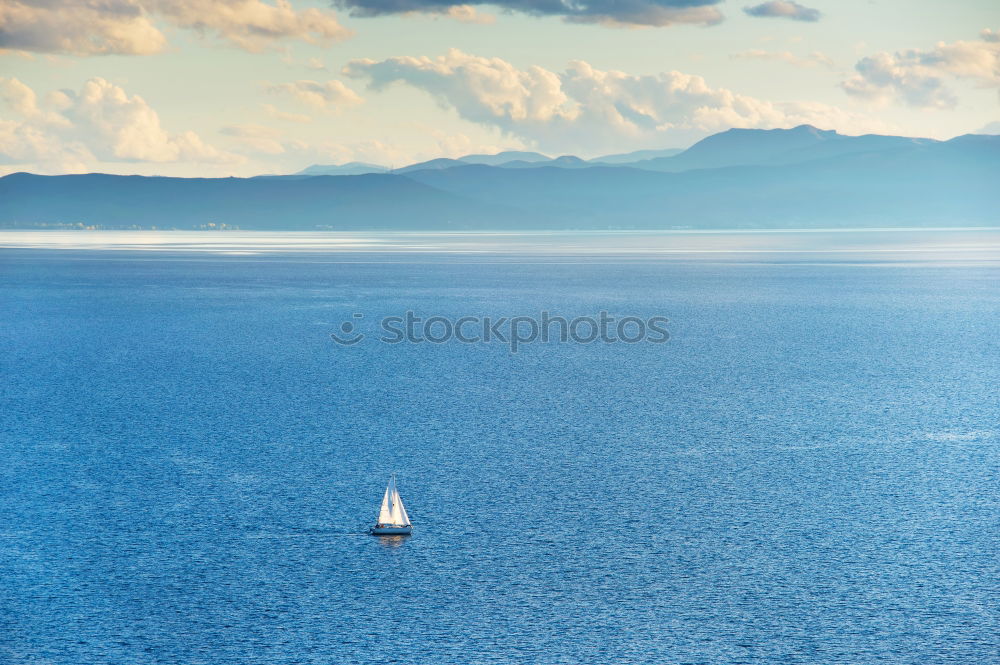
x: 241, y: 87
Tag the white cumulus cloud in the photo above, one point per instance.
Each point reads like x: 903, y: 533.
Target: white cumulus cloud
x: 132, y: 27
x: 587, y: 110
x: 100, y: 123
x: 922, y: 78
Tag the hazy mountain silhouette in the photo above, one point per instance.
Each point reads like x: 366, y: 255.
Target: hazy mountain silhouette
x: 738, y: 147
x: 373, y: 201
x: 944, y: 184
x: 510, y: 158
x: 564, y: 162
x: 636, y: 156
x: 800, y: 177
x: 505, y: 158
x: 436, y: 164
x: 350, y: 168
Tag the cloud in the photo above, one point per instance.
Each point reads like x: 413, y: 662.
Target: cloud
x: 921, y: 78
x: 783, y: 9
x: 18, y: 97
x: 329, y: 95
x: 468, y: 14
x: 588, y: 110
x: 460, y: 13
x: 124, y: 128
x: 253, y: 25
x: 100, y: 123
x: 609, y: 12
x: 990, y: 128
x: 79, y: 27
x: 36, y: 149
x: 814, y: 59
x: 127, y: 27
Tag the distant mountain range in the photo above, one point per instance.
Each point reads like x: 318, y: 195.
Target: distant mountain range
x: 512, y: 159
x: 742, y: 178
x: 743, y: 147
x: 350, y: 168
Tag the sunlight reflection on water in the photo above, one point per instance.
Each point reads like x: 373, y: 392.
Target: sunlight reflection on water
x: 906, y: 245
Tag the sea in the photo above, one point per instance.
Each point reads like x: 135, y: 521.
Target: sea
x: 807, y: 470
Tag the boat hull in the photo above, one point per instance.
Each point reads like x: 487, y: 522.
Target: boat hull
x: 391, y: 530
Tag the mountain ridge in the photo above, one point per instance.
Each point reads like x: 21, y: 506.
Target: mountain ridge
x: 805, y: 180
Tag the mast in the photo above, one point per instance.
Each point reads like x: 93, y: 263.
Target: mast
x: 404, y: 518
x: 392, y: 512
x: 398, y: 510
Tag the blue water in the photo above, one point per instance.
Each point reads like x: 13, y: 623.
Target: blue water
x: 807, y: 472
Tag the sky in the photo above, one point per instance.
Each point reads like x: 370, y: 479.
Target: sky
x: 214, y: 88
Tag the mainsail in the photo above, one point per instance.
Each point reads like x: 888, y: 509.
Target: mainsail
x: 392, y: 511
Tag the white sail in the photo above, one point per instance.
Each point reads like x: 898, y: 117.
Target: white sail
x: 403, y: 517
x: 392, y: 511
x: 385, y: 512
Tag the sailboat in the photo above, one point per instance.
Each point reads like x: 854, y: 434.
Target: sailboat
x: 392, y: 517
